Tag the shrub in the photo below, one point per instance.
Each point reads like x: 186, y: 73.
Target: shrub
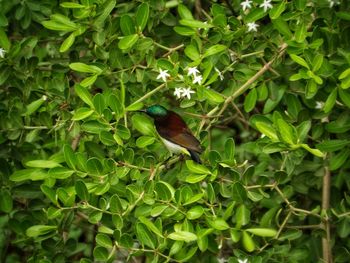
x: 263, y: 84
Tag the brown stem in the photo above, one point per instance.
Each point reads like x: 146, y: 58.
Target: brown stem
x: 326, y: 241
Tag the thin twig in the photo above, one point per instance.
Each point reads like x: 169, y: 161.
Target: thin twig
x: 242, y: 89
x: 326, y: 241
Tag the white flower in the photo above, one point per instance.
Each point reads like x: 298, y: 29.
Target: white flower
x: 332, y: 3
x: 266, y: 5
x: 252, y: 26
x: 192, y: 71
x: 246, y: 4
x: 220, y: 74
x: 178, y: 92
x: 187, y: 92
x: 2, y: 52
x: 163, y: 74
x: 243, y: 260
x: 197, y: 79
x: 44, y: 97
x: 319, y: 105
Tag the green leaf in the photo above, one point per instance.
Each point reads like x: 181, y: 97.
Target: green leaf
x: 287, y: 132
x: 345, y: 84
x: 242, y: 216
x: 182, y: 236
x: 299, y: 60
x: 282, y: 27
x: 164, y: 191
x: 88, y: 81
x: 195, y: 178
x: 95, y: 127
x: 128, y: 41
x: 330, y: 102
x: 60, y: 173
x: 339, y: 159
x: 28, y: 174
x: 55, y: 25
x: 219, y: 224
x: 332, y: 145
x: 103, y: 240
x: 197, y: 168
x: 127, y: 25
x: 214, y: 50
x: 184, y: 12
x: 248, y: 242
x: 317, y: 62
x: 255, y: 15
x: 145, y: 236
x: 212, y: 96
x: 143, y: 124
x: 34, y: 106
x: 99, y: 103
x: 150, y: 225
x: 262, y: 232
x: 194, y: 23
x: 300, y: 32
x: 100, y: 254
x: 81, y: 190
x: 82, y: 67
x: 192, y: 52
x: 250, y: 100
x: 144, y: 141
x: 195, y: 212
x: 82, y: 113
x: 39, y: 230
x: 67, y: 43
x: 344, y: 74
x: 6, y: 203
x: 42, y: 164
x: 277, y: 10
x: 71, y: 5
x: 94, y: 166
x: 106, y: 10
x: 315, y: 152
x: 184, y: 31
x: 344, y: 96
x: 142, y: 14
x: 267, y: 130
x: 4, y: 40
x: 107, y: 138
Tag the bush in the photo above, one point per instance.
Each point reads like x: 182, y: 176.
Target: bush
x: 263, y: 84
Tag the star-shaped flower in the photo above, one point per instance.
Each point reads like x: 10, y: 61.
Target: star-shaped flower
x: 266, y: 5
x: 178, y: 92
x: 319, y: 105
x: 163, y: 74
x: 220, y: 74
x: 197, y: 79
x: 187, y: 92
x: 192, y: 71
x: 2, y: 52
x: 243, y: 260
x: 252, y: 26
x: 246, y: 4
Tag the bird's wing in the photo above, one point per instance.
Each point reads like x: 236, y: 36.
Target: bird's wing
x: 174, y: 129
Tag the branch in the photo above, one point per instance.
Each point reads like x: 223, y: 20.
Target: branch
x: 242, y: 89
x: 326, y: 241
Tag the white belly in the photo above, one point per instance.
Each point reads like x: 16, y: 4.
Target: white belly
x: 174, y: 148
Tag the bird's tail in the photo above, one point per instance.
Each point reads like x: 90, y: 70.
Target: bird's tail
x: 195, y: 156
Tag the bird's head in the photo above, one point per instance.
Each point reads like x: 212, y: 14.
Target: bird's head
x: 156, y: 111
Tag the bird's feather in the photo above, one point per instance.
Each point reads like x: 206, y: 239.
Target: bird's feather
x: 174, y: 129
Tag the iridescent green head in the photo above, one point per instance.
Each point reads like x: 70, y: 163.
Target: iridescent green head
x: 156, y: 111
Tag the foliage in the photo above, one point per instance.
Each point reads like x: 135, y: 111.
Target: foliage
x: 83, y: 176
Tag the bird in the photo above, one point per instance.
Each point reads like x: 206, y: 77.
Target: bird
x: 174, y: 133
